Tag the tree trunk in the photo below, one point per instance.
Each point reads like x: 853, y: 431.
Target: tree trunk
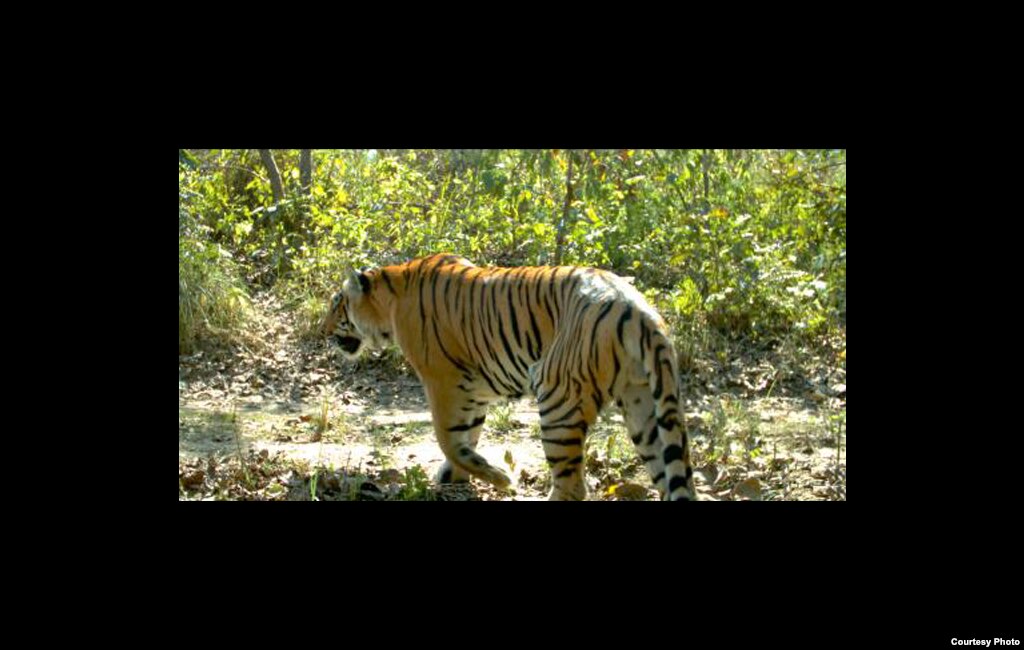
x: 306, y: 170
x: 276, y: 186
x: 565, y: 212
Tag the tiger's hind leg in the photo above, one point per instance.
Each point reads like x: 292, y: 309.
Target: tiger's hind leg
x: 638, y: 410
x: 563, y: 449
x: 565, y: 418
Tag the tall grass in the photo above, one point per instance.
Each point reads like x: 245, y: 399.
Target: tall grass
x: 213, y: 303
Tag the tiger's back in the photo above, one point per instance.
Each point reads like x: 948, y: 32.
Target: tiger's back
x: 576, y: 338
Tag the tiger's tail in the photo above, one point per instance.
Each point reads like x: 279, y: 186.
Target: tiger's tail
x: 659, y: 360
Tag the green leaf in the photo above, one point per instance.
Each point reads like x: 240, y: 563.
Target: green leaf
x: 187, y: 159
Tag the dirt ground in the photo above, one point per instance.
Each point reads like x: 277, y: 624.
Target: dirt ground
x: 283, y: 418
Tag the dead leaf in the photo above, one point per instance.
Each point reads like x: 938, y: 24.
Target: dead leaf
x: 628, y: 492
x: 748, y: 490
x: 192, y: 479
x: 710, y: 473
x: 305, y: 418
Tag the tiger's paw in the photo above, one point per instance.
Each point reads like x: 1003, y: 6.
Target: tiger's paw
x: 497, y: 478
x: 449, y: 474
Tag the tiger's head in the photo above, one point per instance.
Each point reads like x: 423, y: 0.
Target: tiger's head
x: 357, y: 320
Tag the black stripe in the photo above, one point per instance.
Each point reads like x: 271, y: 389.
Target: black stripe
x: 626, y: 315
x: 466, y: 427
x: 504, y: 343
x: 653, y: 435
x: 447, y: 291
x: 518, y: 364
x: 643, y: 340
x: 615, y: 375
x: 600, y: 316
x: 668, y: 420
x: 485, y: 349
x: 560, y: 402
x: 546, y: 396
x: 599, y: 398
x: 672, y: 453
x: 387, y: 281
x: 490, y: 383
x: 552, y: 279
x: 565, y: 442
x: 568, y: 471
x: 569, y: 287
x: 676, y: 483
x: 579, y: 424
x: 437, y: 336
x: 658, y: 478
x: 514, y: 315
x: 423, y: 317
x: 554, y: 460
x: 536, y: 292
x: 488, y: 305
x: 551, y: 314
x: 565, y: 416
x: 577, y: 386
x: 536, y: 333
x: 471, y: 325
x: 657, y: 368
x: 523, y: 300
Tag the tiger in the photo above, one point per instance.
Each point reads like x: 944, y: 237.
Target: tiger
x: 575, y: 338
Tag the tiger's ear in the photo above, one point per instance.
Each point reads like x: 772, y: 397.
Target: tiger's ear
x: 357, y: 280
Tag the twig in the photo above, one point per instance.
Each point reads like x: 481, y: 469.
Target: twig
x: 206, y: 166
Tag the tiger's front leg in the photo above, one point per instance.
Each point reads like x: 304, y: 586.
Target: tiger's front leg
x: 458, y: 422
x: 450, y: 472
